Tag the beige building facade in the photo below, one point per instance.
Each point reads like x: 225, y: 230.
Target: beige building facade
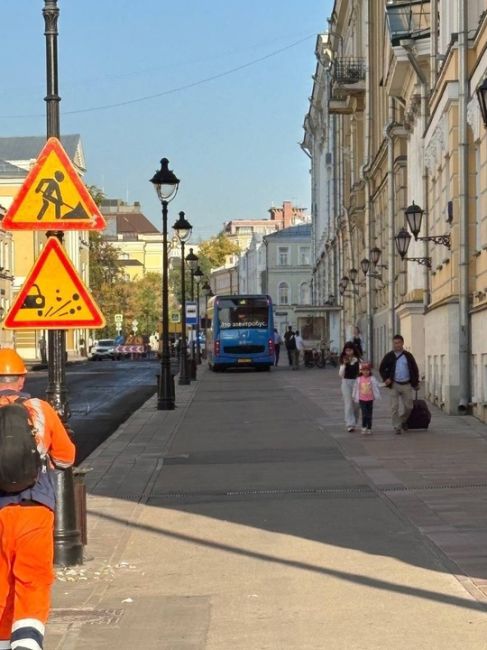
x: 395, y: 122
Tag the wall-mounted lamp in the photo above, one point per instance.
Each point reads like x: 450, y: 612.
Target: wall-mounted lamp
x: 482, y: 97
x: 414, y: 216
x: 403, y: 239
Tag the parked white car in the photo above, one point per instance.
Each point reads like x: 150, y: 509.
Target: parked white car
x: 104, y: 349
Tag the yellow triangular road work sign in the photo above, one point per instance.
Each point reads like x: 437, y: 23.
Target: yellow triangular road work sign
x: 53, y: 296
x: 53, y: 197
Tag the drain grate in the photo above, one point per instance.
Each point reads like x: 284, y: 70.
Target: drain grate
x: 464, y: 485
x: 360, y: 491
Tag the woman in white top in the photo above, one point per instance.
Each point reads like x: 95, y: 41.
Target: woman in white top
x: 349, y: 371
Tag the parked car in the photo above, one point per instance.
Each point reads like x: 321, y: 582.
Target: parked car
x: 104, y: 349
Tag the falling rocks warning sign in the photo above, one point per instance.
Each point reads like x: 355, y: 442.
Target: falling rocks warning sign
x: 53, y: 296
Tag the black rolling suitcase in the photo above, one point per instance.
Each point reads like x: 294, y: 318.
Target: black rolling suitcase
x: 420, y: 416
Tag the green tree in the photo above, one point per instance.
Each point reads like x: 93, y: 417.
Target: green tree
x: 214, y: 251
x: 147, y: 302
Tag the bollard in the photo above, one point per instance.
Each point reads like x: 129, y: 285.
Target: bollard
x: 80, y: 503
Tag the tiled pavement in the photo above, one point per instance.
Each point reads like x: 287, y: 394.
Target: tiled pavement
x: 435, y: 478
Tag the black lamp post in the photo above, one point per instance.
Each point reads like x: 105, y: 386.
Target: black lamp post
x: 403, y: 239
x: 208, y: 294
x: 353, y: 275
x: 192, y: 262
x: 166, y: 185
x: 68, y: 547
x: 482, y: 97
x: 183, y: 231
x: 197, y: 275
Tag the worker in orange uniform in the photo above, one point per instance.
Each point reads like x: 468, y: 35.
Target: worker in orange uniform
x: 27, y: 518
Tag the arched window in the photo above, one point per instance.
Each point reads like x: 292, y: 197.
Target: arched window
x: 304, y: 297
x: 284, y: 293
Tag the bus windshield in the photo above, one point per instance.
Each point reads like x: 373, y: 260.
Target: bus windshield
x: 238, y: 313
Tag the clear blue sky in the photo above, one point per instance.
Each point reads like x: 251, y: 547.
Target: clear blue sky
x: 233, y: 141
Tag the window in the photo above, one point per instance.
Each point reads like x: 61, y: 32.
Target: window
x: 283, y: 256
x: 304, y: 255
x: 284, y: 293
x: 304, y: 298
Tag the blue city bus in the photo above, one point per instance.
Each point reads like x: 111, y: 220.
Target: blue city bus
x: 241, y: 332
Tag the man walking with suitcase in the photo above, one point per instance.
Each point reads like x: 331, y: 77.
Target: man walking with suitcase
x: 399, y: 372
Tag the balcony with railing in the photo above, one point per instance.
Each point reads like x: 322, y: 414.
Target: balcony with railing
x: 408, y: 20
x: 348, y: 87
x: 349, y: 71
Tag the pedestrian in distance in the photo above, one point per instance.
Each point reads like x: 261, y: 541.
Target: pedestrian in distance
x: 366, y: 390
x: 277, y: 346
x: 290, y: 343
x: 349, y: 371
x: 298, y: 349
x: 358, y: 341
x: 43, y: 349
x: 33, y: 441
x: 399, y: 372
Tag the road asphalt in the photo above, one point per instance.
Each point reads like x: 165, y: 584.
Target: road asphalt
x: 249, y: 518
x: 101, y: 396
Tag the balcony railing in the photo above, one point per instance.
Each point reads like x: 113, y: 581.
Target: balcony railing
x: 408, y: 20
x: 348, y: 70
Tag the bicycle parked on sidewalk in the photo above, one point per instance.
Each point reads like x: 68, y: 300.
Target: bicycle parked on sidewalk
x: 313, y: 358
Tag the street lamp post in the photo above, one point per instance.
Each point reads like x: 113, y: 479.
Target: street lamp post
x: 166, y: 185
x: 192, y: 261
x: 208, y: 294
x: 198, y: 274
x: 68, y: 547
x: 183, y: 231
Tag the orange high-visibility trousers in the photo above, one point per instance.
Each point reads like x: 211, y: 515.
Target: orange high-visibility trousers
x: 26, y: 574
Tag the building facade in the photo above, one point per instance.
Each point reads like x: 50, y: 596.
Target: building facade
x: 287, y: 275
x: 395, y: 129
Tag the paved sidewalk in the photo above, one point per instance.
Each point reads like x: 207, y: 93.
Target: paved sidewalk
x: 248, y: 518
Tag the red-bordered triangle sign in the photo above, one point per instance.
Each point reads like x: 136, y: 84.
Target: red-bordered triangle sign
x: 53, y: 197
x: 53, y: 296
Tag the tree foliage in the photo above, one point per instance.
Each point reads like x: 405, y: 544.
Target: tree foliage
x: 214, y: 251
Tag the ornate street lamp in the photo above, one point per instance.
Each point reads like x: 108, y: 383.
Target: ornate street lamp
x: 414, y: 216
x: 192, y: 262
x: 166, y: 185
x: 68, y: 546
x: 403, y: 239
x: 198, y: 275
x: 375, y: 254
x: 482, y: 97
x: 353, y: 275
x: 365, y: 265
x: 208, y: 294
x: 183, y: 230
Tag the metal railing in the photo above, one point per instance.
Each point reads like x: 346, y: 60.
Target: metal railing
x: 349, y: 70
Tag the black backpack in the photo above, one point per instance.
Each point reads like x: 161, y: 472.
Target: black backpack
x: 20, y: 460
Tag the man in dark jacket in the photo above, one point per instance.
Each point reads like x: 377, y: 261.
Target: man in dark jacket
x: 400, y: 373
x: 290, y: 343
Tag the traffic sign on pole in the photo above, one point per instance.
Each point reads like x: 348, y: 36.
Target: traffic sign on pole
x: 190, y: 312
x: 53, y: 296
x: 53, y: 197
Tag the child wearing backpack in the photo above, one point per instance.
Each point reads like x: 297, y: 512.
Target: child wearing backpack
x: 33, y: 441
